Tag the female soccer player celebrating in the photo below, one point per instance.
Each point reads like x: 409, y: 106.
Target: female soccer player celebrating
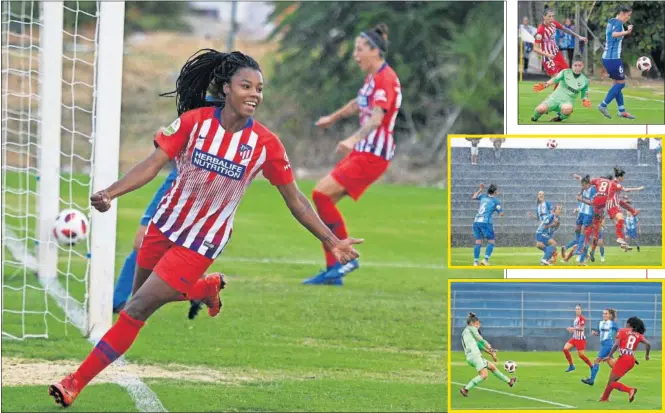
x: 578, y: 340
x: 473, y: 342
x: 368, y: 151
x: 219, y: 149
x: 626, y: 342
x: 607, y: 329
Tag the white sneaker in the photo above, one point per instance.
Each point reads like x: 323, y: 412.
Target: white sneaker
x: 484, y: 263
x: 602, y: 259
x: 475, y: 263
x: 545, y: 262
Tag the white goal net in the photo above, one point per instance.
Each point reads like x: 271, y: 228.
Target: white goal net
x: 53, y: 108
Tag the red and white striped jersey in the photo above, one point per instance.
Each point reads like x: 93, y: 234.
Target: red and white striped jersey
x: 382, y: 90
x: 546, y: 37
x: 215, y: 167
x: 579, y: 322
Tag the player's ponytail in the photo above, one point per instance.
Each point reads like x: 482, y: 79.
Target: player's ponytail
x: 206, y: 71
x: 472, y: 318
x: 492, y: 189
x: 619, y: 172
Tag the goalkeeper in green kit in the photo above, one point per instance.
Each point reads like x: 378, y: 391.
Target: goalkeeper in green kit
x: 569, y: 83
x: 473, y: 343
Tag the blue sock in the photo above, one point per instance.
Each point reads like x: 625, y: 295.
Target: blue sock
x: 583, y: 257
x: 611, y: 94
x: 123, y: 287
x: 594, y: 372
x: 574, y: 240
x: 602, y: 251
x: 549, y: 251
x: 476, y: 252
x: 619, y: 96
x: 488, y: 251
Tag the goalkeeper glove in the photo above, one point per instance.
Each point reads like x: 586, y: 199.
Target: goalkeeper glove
x: 539, y: 86
x: 586, y: 103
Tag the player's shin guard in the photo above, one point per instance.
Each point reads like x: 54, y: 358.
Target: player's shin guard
x: 115, y: 343
x: 500, y: 376
x: 474, y: 382
x: 488, y: 250
x: 620, y: 386
x: 476, y: 252
x: 549, y: 251
x: 611, y: 95
x: 607, y: 392
x: 602, y: 251
x: 568, y: 356
x: 331, y: 216
x: 619, y: 96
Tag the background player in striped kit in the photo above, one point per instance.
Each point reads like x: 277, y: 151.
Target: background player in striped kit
x: 483, y: 227
x: 632, y: 229
x: 578, y: 340
x: 545, y: 236
x: 584, y: 218
x: 543, y: 208
x: 219, y: 150
x: 368, y: 151
x: 545, y: 44
x: 612, y: 61
x: 607, y: 330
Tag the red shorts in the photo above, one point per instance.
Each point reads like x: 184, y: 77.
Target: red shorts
x: 623, y: 365
x: 178, y: 266
x: 357, y: 171
x: 599, y: 206
x: 554, y: 66
x: 577, y: 343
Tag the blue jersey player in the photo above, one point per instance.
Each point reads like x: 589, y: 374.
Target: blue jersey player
x: 483, y: 226
x: 632, y: 228
x: 545, y: 236
x: 607, y: 331
x: 612, y: 61
x: 584, y: 218
x: 543, y: 208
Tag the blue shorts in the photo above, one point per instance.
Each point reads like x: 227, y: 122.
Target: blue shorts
x: 600, y: 234
x: 544, y: 238
x: 614, y: 68
x: 483, y: 230
x: 631, y: 233
x: 584, y: 220
x: 605, y: 348
x: 152, y: 208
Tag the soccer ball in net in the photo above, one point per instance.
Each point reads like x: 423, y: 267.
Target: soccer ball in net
x: 552, y: 143
x: 70, y: 227
x: 510, y: 366
x: 643, y: 64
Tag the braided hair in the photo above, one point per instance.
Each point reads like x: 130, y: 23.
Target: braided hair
x: 636, y: 324
x: 206, y: 71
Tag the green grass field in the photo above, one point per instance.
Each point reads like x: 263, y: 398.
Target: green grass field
x: 530, y: 256
x: 375, y: 344
x: 644, y: 100
x: 542, y: 384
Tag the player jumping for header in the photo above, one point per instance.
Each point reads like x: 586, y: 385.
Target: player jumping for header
x: 573, y: 82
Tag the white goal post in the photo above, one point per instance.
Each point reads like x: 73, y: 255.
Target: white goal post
x: 61, y: 90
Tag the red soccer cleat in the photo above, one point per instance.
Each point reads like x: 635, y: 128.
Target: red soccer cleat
x: 512, y: 381
x: 631, y: 395
x: 464, y: 392
x: 64, y: 392
x: 213, y: 302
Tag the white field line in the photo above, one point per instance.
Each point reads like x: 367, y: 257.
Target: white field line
x: 145, y: 399
x: 627, y: 97
x: 518, y: 396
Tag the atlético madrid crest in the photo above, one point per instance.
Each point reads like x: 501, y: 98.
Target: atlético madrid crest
x: 245, y: 151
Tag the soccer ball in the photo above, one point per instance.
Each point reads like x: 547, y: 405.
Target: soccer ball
x: 70, y: 227
x: 643, y: 64
x: 510, y: 366
x: 552, y: 143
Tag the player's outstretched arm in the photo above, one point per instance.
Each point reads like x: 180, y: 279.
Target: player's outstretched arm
x: 142, y: 173
x: 567, y: 30
x: 623, y: 33
x: 346, y: 146
x: 302, y: 210
x: 639, y: 188
x: 351, y: 108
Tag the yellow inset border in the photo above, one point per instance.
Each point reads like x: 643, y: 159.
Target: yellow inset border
x: 546, y: 136
x: 534, y: 280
